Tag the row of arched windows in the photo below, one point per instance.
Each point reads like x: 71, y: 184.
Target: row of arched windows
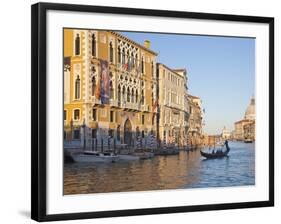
x: 129, y: 95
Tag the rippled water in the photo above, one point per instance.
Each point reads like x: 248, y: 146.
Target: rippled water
x: 186, y: 170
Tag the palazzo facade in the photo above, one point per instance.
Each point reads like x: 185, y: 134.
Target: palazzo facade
x: 109, y: 90
x: 173, y: 106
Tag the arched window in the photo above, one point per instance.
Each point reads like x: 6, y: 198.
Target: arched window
x: 128, y: 57
x: 77, y: 87
x: 93, y: 85
x: 128, y: 95
x: 111, y: 89
x: 77, y: 44
x: 136, y: 96
x: 110, y: 52
x: 133, y: 60
x: 142, y: 97
x: 119, y: 94
x: 142, y: 65
x: 123, y: 94
x: 123, y: 56
x: 94, y: 45
x: 133, y: 96
x: 119, y: 55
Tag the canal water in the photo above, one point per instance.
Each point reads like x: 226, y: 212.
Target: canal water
x: 186, y: 170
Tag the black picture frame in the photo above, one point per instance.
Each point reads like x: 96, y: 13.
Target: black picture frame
x: 39, y: 98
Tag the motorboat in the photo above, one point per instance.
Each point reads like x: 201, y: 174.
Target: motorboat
x: 95, y: 156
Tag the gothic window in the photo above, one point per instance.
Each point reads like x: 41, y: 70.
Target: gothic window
x: 136, y: 96
x: 94, y: 45
x: 119, y: 94
x: 133, y: 97
x: 142, y: 97
x: 128, y: 57
x: 128, y: 95
x: 93, y: 85
x: 123, y: 93
x: 133, y: 60
x: 77, y: 45
x: 142, y: 65
x: 111, y: 89
x: 77, y: 87
x: 123, y: 56
x: 119, y: 55
x: 110, y: 52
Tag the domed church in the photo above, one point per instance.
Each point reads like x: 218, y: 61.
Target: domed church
x: 250, y: 113
x: 245, y: 128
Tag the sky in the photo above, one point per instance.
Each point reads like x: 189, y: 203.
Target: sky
x: 220, y: 70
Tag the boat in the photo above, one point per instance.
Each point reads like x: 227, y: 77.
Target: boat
x: 144, y: 155
x: 128, y: 157
x: 248, y: 140
x: 217, y: 154
x: 94, y: 156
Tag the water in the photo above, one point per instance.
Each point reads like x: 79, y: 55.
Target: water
x: 186, y: 170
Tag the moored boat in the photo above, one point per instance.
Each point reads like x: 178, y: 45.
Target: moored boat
x: 248, y: 140
x: 94, y: 156
x: 216, y: 154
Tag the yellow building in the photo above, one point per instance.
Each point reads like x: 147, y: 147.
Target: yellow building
x: 173, y: 105
x: 109, y: 90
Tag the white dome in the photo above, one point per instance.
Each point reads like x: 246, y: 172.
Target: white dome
x: 250, y: 113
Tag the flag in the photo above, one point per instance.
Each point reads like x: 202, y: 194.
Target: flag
x: 125, y: 66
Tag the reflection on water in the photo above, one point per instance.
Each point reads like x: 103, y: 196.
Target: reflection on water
x: 186, y: 170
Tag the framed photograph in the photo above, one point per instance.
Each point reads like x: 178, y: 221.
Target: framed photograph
x: 140, y: 111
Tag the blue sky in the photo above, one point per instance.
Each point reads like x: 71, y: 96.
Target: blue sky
x: 221, y: 71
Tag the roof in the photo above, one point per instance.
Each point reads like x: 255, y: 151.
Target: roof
x: 241, y: 121
x: 193, y: 97
x: 133, y: 42
x: 172, y: 70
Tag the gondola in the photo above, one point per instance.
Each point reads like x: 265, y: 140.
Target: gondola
x: 217, y: 154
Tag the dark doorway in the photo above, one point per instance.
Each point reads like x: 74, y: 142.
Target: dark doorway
x: 128, y: 132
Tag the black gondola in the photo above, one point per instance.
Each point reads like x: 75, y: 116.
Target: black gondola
x: 218, y: 154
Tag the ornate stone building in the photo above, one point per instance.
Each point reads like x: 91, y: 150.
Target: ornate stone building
x: 173, y: 105
x: 245, y: 128
x: 195, y: 136
x: 109, y: 89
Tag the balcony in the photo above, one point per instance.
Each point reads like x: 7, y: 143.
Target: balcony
x: 113, y: 103
x: 96, y: 101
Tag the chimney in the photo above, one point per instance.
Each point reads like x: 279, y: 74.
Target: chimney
x: 147, y: 44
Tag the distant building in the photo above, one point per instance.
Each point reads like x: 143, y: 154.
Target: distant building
x: 245, y: 128
x: 225, y: 133
x: 195, y: 121
x: 173, y: 105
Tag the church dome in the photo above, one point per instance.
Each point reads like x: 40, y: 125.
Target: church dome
x: 250, y: 113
